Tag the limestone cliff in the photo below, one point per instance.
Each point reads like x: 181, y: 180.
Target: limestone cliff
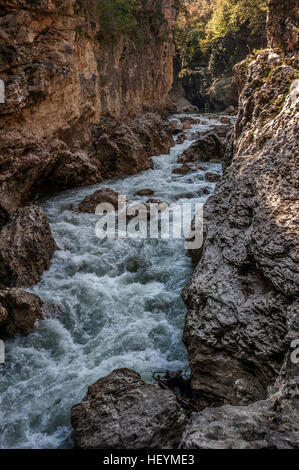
x: 243, y: 297
x: 61, y: 78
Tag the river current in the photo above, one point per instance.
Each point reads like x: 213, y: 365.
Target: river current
x: 107, y: 304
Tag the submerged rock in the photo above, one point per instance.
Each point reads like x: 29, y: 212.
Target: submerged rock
x: 105, y: 195
x: 26, y: 248
x: 181, y: 138
x: 212, y: 177
x: 121, y: 411
x: 205, y: 149
x: 3, y: 314
x: 22, y: 311
x: 162, y: 205
x: 187, y: 168
x: 145, y: 192
x: 176, y: 127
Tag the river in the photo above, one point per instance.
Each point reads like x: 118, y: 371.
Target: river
x: 107, y: 304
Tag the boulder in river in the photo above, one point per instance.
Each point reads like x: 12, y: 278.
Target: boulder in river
x: 176, y: 127
x: 22, y: 309
x: 190, y: 120
x: 145, y: 192
x: 212, y: 177
x: 181, y: 138
x: 3, y: 314
x: 230, y: 110
x: 104, y: 195
x: 187, y: 168
x: 121, y: 411
x: 204, y: 149
x: 26, y: 248
x: 156, y: 201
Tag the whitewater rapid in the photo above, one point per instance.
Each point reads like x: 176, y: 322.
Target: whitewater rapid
x: 107, y: 304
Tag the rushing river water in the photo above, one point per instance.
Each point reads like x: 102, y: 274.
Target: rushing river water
x: 108, y: 304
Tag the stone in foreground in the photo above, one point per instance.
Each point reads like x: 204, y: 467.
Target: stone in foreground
x: 22, y: 311
x: 205, y: 149
x: 26, y: 248
x: 102, y: 196
x: 267, y: 424
x: 121, y: 411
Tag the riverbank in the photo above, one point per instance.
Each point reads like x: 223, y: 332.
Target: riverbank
x: 107, y: 304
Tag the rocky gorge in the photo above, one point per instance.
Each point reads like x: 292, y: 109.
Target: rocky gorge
x: 68, y: 92
x: 92, y: 112
x: 78, y: 109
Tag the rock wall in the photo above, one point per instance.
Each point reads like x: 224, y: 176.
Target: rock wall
x: 61, y: 78
x: 80, y: 106
x: 243, y: 296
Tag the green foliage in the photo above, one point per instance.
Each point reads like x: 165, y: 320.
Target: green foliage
x: 114, y: 16
x: 216, y: 34
x: 125, y: 17
x: 229, y: 15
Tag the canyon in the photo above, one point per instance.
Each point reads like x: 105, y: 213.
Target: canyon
x: 79, y: 108
x: 80, y: 111
x: 71, y: 97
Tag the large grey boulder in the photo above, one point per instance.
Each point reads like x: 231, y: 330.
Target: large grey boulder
x: 121, y: 411
x: 266, y: 424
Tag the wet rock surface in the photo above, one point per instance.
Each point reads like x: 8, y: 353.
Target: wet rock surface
x: 3, y: 315
x: 22, y: 311
x: 208, y: 148
x: 187, y: 168
x: 61, y: 82
x: 223, y: 93
x: 242, y: 297
x: 268, y: 424
x: 120, y: 411
x: 26, y: 248
x: 126, y: 148
x: 212, y: 177
x: 145, y: 192
x: 102, y: 196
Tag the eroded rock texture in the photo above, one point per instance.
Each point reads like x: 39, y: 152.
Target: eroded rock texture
x: 26, y: 248
x: 208, y: 148
x: 102, y: 196
x: 120, y: 411
x: 61, y: 79
x: 22, y: 311
x: 242, y: 297
x: 68, y: 91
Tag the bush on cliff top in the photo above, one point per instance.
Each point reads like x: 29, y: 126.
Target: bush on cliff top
x: 216, y: 34
x: 131, y: 18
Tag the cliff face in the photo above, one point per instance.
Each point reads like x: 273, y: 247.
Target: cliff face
x: 243, y: 297
x: 60, y: 80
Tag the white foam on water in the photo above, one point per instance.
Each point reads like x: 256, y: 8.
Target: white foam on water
x: 107, y: 304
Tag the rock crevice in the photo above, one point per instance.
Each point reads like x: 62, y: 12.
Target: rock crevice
x: 243, y: 295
